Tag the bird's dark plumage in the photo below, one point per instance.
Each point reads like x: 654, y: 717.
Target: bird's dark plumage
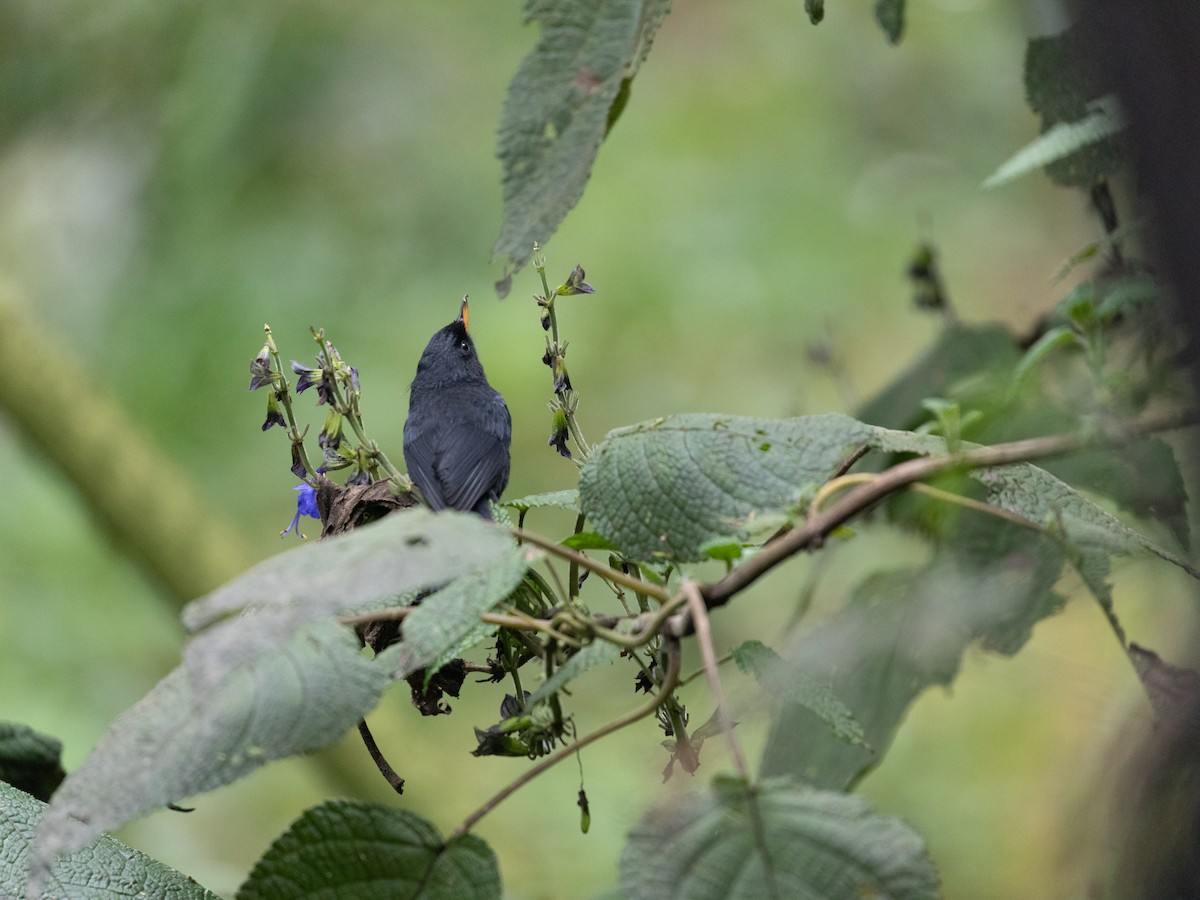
x: 458, y: 431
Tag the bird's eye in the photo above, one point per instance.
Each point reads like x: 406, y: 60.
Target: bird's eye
x: 464, y: 346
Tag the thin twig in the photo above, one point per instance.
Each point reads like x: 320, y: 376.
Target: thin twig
x: 385, y: 769
x: 901, y: 475
x: 607, y: 572
x: 695, y: 604
x: 670, y: 682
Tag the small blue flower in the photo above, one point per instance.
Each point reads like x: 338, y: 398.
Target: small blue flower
x: 306, y: 505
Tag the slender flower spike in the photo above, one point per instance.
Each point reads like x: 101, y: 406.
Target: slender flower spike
x: 575, y: 284
x: 306, y: 505
x: 274, y: 414
x: 260, y: 368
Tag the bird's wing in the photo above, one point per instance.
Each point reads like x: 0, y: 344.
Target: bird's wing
x: 421, y: 457
x: 473, y: 466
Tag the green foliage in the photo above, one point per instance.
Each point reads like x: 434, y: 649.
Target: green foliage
x: 270, y: 672
x: 274, y: 666
x: 360, y: 851
x: 1058, y: 88
x: 103, y: 870
x: 667, y: 487
x: 784, y: 683
x: 774, y: 839
x: 560, y: 106
x: 906, y: 630
x: 1060, y: 141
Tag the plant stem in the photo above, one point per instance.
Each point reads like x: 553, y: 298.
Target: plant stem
x: 606, y: 572
x: 813, y: 531
x: 695, y: 604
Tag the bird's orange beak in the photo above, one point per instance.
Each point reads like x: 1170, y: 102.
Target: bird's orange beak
x: 462, y: 314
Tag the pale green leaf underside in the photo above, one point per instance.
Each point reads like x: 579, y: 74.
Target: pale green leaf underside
x: 778, y: 839
x: 102, y: 870
x: 775, y: 677
x: 1060, y: 141
x: 354, y: 850
x: 283, y: 676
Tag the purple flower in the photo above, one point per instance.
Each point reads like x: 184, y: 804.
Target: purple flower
x: 310, y: 377
x: 306, y: 505
x: 575, y: 284
x: 274, y: 413
x: 260, y: 368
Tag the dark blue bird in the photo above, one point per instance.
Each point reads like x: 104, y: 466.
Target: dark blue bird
x: 458, y: 431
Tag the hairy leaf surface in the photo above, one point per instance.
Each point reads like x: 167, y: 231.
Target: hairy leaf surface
x: 284, y: 676
x: 352, y: 849
x: 102, y: 870
x: 776, y: 839
x: 560, y: 106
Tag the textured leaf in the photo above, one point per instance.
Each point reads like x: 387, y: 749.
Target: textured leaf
x: 180, y: 739
x: 905, y: 631
x: 776, y: 839
x: 559, y: 106
x: 408, y: 551
x: 353, y: 850
x: 670, y: 486
x: 29, y: 760
x: 772, y: 673
x: 283, y: 676
x: 1037, y: 495
x: 890, y: 16
x: 1142, y: 477
x: 1060, y: 141
x: 104, y: 870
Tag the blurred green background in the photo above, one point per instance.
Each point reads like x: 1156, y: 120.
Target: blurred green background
x: 172, y: 176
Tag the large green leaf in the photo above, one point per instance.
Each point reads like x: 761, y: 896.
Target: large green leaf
x: 775, y: 677
x: 104, y: 870
x: 905, y: 631
x: 353, y: 850
x: 777, y: 839
x: 560, y: 106
x: 670, y: 486
x: 283, y: 676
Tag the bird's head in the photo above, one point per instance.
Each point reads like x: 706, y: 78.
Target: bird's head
x: 450, y: 354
